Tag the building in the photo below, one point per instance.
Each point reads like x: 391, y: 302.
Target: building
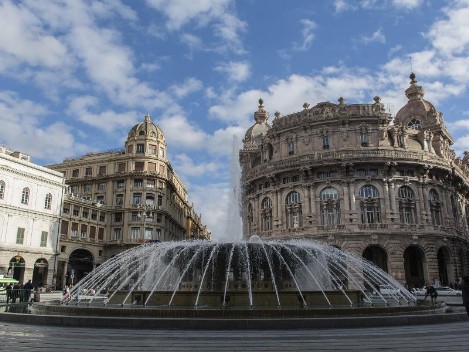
x: 30, y: 203
x: 119, y: 199
x: 389, y: 189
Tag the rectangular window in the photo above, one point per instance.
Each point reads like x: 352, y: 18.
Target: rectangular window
x: 137, y: 198
x: 364, y: 139
x: 100, y: 253
x: 140, y: 148
x: 152, y: 167
x: 119, y: 199
x: 130, y: 149
x: 134, y: 233
x: 63, y: 249
x: 88, y: 171
x: 116, y: 234
x: 152, y: 149
x: 102, y: 217
x: 76, y: 211
x: 20, y: 235
x: 66, y: 209
x: 161, y: 152
x: 101, y: 187
x: 75, y: 172
x: 162, y: 169
x: 138, y: 183
x: 291, y: 148
x: 120, y: 184
x: 158, y: 234
x: 94, y: 216
x: 150, y: 183
x: 102, y: 170
x: 92, y: 232
x: 85, y: 213
x: 101, y: 234
x: 139, y: 166
x: 74, y: 232
x: 100, y: 199
x: 117, y: 217
x: 64, y: 227
x: 87, y: 188
x: 135, y: 216
x: 148, y: 233
x: 121, y: 167
x: 160, y: 200
x: 84, y: 231
x: 325, y: 142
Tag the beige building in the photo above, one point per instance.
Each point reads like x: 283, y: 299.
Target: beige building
x: 119, y: 199
x: 30, y: 203
x: 389, y: 189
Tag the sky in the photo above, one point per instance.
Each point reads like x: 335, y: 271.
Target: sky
x: 76, y: 75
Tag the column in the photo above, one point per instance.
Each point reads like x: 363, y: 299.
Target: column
x: 386, y: 200
x: 346, y: 202
x: 422, y: 213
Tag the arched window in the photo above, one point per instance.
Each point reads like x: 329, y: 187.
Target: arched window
x: 266, y: 214
x: 48, y: 201
x: 435, y: 207
x: 370, y: 209
x: 407, y: 205
x: 25, y: 196
x: 330, y: 206
x: 293, y: 210
x: 2, y: 189
x: 414, y: 123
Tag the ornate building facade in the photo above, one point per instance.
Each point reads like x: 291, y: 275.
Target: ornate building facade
x: 119, y: 199
x: 30, y: 203
x: 389, y: 189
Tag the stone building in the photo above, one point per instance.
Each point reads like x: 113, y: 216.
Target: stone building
x: 30, y: 203
x: 119, y: 199
x: 389, y: 189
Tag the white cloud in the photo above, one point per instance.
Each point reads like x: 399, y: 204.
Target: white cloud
x: 190, y: 85
x: 407, y: 4
x: 217, y: 13
x: 25, y: 128
x: 237, y: 71
x: 375, y: 37
x: 181, y: 134
x: 307, y: 35
x: 188, y: 168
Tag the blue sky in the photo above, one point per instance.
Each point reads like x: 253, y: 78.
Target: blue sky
x: 76, y: 75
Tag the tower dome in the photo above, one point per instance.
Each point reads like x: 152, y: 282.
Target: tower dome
x: 146, y: 129
x: 260, y: 128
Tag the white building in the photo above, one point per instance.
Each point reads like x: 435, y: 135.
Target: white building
x: 30, y: 205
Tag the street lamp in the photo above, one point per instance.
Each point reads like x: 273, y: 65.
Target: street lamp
x: 145, y: 209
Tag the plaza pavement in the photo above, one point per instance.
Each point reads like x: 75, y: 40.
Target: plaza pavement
x: 415, y: 338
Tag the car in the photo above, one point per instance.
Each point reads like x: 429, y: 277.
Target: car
x: 388, y: 290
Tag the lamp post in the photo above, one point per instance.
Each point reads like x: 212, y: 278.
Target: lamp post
x: 145, y: 209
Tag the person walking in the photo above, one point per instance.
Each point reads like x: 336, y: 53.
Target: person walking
x: 9, y: 290
x: 28, y: 287
x: 465, y: 293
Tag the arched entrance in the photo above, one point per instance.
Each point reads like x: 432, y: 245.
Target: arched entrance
x: 40, y: 272
x: 377, y: 256
x: 16, y: 268
x: 445, y: 267
x: 80, y: 263
x: 415, y: 267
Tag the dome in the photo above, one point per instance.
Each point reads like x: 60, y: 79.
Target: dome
x: 417, y: 109
x: 261, y: 127
x: 147, y: 129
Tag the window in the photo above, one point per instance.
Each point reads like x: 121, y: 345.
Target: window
x: 102, y: 170
x: 25, y: 196
x: 84, y: 231
x: 150, y: 199
x: 162, y: 152
x: 94, y: 216
x: 121, y: 167
x: 407, y: 209
x: 64, y: 227
x: 370, y: 209
x: 139, y: 166
x: 116, y: 234
x: 152, y: 149
x: 75, y: 172
x: 88, y: 171
x: 134, y: 233
x: 160, y: 200
x: 140, y: 148
x: 92, y: 232
x: 20, y: 235
x: 85, y: 213
x: 135, y: 216
x: 117, y: 217
x: 120, y: 184
x: 148, y: 233
x: 414, y: 123
x: 76, y: 211
x: 138, y: 183
x: 162, y: 169
x: 87, y: 188
x: 119, y: 199
x: 291, y: 148
x: 435, y: 207
x: 2, y: 189
x: 325, y: 142
x: 151, y: 184
x: 101, y: 187
x: 101, y: 234
x: 100, y: 199
x: 330, y: 206
x: 364, y: 138
x: 74, y: 230
x: 266, y: 214
x: 48, y: 201
x: 137, y: 198
x: 293, y: 208
x: 66, y: 209
x: 130, y: 149
x: 158, y: 234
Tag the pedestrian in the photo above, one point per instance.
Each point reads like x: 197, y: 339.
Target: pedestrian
x: 28, y: 287
x: 465, y: 293
x: 15, y: 293
x: 9, y: 290
x: 431, y: 291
